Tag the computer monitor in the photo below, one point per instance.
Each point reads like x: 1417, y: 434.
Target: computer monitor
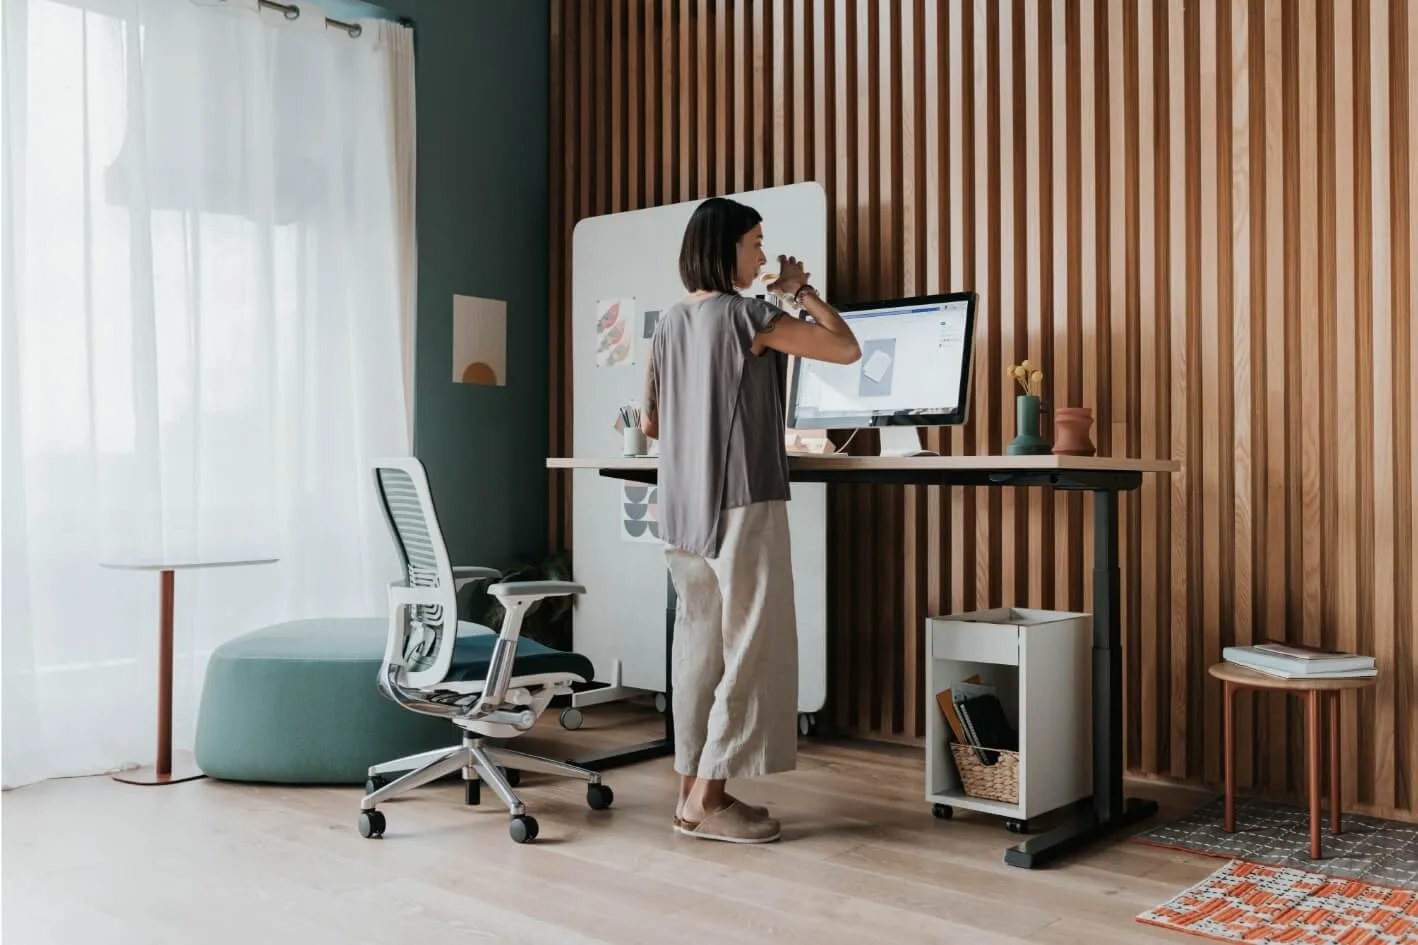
x: 914, y: 372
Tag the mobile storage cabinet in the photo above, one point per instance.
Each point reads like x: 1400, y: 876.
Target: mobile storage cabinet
x: 1039, y: 663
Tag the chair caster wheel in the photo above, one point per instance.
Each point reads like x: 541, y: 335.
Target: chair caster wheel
x: 472, y: 793
x: 571, y: 719
x: 371, y: 824
x: 514, y: 777
x: 1016, y: 826
x: 374, y: 783
x: 599, y: 796
x: 942, y: 811
x: 523, y: 828
x: 807, y: 723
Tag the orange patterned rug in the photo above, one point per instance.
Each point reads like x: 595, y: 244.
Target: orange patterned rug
x: 1260, y: 904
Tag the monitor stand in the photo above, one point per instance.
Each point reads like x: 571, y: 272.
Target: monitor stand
x: 902, y: 441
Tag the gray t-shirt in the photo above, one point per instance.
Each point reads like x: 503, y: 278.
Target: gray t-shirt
x: 721, y: 416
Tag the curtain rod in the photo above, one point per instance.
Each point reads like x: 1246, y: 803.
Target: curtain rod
x: 293, y: 13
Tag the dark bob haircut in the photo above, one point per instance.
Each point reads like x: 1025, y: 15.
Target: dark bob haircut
x: 709, y: 254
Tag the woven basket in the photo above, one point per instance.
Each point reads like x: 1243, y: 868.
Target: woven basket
x: 996, y: 782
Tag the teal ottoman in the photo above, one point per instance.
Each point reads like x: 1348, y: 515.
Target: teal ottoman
x: 298, y: 703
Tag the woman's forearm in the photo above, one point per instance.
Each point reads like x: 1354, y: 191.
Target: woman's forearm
x: 825, y: 315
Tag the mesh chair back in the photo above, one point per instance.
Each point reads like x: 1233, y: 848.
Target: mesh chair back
x: 413, y: 523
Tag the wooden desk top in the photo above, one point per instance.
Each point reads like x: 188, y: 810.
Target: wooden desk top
x: 809, y: 462
x: 1245, y: 676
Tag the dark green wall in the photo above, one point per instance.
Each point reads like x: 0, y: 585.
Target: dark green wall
x: 482, y: 87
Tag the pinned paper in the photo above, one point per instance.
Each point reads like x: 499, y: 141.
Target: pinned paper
x: 645, y: 335
x: 639, y: 516
x: 479, y: 341
x: 877, y: 365
x: 615, y: 333
x: 878, y: 359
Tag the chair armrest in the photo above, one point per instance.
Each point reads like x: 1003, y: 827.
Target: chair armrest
x: 474, y: 573
x: 467, y: 573
x: 535, y: 589
x: 517, y: 597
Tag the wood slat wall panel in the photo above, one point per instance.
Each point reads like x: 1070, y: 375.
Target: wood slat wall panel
x: 1200, y: 217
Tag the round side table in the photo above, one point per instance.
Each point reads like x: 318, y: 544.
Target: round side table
x: 163, y: 772
x: 1235, y: 677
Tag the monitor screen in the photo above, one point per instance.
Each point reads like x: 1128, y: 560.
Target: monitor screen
x: 914, y: 369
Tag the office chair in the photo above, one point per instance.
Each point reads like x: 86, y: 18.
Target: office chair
x: 491, y: 685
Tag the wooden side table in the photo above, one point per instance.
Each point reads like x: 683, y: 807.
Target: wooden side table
x: 1235, y: 677
x: 162, y: 771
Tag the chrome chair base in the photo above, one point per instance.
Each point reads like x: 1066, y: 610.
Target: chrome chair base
x: 479, y: 762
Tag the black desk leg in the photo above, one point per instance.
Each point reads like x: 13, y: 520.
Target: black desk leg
x: 660, y: 747
x: 1109, y: 811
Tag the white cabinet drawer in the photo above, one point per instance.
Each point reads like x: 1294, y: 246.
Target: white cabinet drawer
x: 974, y: 643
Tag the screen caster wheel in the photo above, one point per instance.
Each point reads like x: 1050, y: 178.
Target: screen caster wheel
x: 1016, y: 826
x: 523, y: 828
x: 371, y: 824
x: 571, y: 719
x: 660, y: 703
x: 942, y: 811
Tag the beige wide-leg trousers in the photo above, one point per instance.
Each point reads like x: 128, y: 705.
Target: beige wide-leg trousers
x: 735, y: 659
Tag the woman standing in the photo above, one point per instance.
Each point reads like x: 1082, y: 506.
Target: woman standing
x: 715, y: 392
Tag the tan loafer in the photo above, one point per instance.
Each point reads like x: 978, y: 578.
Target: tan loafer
x: 733, y: 824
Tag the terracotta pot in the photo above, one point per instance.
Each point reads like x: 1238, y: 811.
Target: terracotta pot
x: 1071, y: 431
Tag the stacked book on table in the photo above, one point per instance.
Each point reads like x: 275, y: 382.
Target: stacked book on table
x: 1297, y: 661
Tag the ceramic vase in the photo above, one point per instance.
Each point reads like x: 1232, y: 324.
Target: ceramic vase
x: 1027, y: 441
x: 1072, y: 426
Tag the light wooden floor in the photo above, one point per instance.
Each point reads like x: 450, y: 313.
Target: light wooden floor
x: 862, y: 861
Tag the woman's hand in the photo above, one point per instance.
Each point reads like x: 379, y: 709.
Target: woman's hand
x: 791, y: 277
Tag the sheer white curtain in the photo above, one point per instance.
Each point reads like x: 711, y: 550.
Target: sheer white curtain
x: 202, y: 347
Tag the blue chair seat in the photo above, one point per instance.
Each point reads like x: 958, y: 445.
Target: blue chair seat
x: 472, y: 652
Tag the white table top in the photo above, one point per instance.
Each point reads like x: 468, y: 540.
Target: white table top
x: 923, y: 463
x: 182, y: 564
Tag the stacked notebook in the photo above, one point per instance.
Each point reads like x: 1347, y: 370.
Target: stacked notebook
x: 976, y: 717
x: 1296, y: 661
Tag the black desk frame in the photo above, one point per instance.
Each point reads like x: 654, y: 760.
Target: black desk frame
x: 1108, y: 810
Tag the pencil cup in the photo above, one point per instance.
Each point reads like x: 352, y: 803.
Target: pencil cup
x: 635, y: 444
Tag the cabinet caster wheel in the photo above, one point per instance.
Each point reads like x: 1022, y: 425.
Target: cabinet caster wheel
x: 374, y: 783
x: 523, y: 828
x: 1016, y: 826
x: 472, y: 793
x: 571, y: 719
x: 660, y: 703
x: 371, y: 824
x: 599, y: 796
x: 942, y: 811
x: 807, y: 723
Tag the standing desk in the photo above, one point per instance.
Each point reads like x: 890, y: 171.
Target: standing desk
x: 1107, y: 810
